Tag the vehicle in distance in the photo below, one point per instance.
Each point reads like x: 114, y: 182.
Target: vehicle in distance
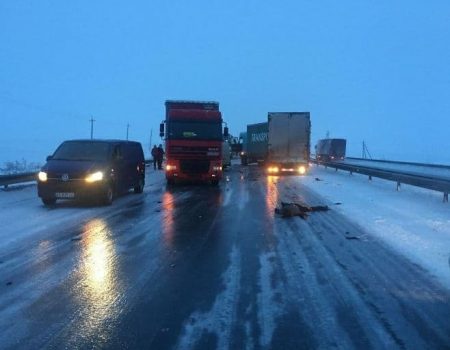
x: 288, y: 142
x: 226, y: 154
x: 331, y: 149
x: 193, y: 139
x: 256, y: 144
x: 92, y: 170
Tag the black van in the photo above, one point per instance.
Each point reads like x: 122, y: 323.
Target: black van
x: 92, y: 169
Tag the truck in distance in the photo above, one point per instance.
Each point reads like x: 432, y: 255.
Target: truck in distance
x: 289, y: 135
x: 193, y: 141
x: 331, y: 149
x: 255, y: 149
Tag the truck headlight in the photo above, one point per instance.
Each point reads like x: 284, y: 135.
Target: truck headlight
x: 170, y: 167
x: 217, y: 168
x: 94, y: 177
x: 273, y: 169
x: 42, y: 176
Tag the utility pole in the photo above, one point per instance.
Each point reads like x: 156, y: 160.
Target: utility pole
x: 92, y: 120
x: 128, y: 128
x: 365, y: 151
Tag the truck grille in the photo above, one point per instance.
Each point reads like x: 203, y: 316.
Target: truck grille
x: 194, y: 166
x: 186, y: 150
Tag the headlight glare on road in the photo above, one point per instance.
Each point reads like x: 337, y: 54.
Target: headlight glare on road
x: 94, y: 177
x: 302, y: 170
x: 42, y: 176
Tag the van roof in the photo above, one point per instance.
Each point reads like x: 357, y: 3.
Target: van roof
x: 102, y: 140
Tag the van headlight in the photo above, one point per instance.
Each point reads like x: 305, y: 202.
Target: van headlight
x: 94, y: 177
x: 302, y: 169
x: 42, y: 176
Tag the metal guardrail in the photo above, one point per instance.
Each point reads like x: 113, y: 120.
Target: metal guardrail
x: 400, y: 177
x: 13, y: 179
x: 425, y: 165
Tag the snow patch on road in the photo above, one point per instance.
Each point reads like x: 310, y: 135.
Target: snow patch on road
x: 413, y: 221
x: 268, y: 308
x: 220, y: 319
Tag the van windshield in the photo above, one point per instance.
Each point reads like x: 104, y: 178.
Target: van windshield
x: 82, y: 150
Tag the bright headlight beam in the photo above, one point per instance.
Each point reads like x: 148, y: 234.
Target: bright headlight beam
x: 94, y: 177
x: 42, y: 176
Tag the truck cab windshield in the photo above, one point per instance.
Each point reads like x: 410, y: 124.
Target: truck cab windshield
x: 195, y: 130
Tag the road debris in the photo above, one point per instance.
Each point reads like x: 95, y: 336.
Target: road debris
x: 298, y: 209
x: 352, y: 237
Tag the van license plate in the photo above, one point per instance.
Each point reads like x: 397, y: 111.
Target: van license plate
x: 65, y: 195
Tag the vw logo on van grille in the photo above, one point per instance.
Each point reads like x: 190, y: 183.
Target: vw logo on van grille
x: 65, y: 177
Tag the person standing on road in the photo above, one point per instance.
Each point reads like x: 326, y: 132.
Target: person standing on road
x: 160, y: 156
x: 155, y: 153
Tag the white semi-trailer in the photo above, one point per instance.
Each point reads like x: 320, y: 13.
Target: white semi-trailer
x: 288, y: 142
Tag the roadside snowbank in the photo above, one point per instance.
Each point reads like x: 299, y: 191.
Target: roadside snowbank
x: 413, y: 221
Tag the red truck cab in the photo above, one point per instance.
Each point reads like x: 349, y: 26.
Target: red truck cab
x: 193, y: 141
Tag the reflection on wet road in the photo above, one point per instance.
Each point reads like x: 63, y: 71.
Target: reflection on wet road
x: 201, y: 267
x: 98, y: 288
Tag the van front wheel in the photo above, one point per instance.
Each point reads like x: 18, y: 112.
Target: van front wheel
x: 108, y: 196
x: 48, y: 201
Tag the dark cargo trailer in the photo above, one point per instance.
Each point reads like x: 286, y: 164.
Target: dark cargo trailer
x: 255, y: 150
x: 331, y: 149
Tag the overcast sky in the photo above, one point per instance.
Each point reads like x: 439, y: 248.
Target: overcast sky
x: 377, y: 71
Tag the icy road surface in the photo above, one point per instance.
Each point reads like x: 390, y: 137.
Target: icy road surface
x: 198, y: 267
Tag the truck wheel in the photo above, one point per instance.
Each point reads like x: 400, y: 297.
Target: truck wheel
x: 48, y: 201
x: 139, y: 188
x: 108, y: 196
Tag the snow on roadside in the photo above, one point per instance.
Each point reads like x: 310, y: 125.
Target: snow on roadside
x: 413, y: 221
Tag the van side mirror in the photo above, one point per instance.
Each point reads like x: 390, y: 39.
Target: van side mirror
x: 225, y: 132
x: 161, y: 130
x: 49, y: 158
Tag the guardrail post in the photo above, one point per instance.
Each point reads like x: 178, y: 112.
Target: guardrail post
x: 398, y: 186
x: 445, y: 197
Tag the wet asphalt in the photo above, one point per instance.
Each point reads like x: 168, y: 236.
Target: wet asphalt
x: 204, y: 267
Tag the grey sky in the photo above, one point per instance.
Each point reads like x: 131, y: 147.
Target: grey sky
x: 374, y: 71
